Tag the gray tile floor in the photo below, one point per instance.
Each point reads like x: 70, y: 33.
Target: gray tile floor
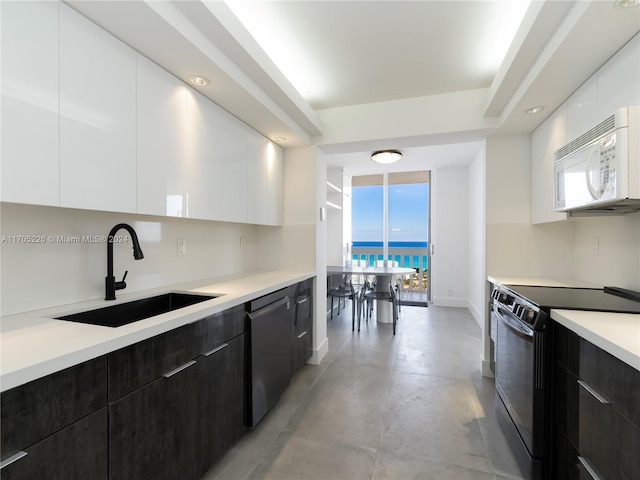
x: 413, y: 406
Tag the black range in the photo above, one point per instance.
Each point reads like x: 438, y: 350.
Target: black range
x: 519, y: 322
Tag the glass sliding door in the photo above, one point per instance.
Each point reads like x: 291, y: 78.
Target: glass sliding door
x: 408, y: 225
x: 390, y: 222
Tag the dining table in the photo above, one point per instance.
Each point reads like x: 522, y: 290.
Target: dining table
x: 384, y: 276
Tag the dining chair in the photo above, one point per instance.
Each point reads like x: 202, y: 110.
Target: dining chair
x: 374, y: 295
x: 346, y: 291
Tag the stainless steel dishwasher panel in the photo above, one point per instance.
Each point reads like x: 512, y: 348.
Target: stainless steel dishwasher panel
x: 270, y: 336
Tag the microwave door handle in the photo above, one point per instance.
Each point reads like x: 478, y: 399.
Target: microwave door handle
x: 594, y: 193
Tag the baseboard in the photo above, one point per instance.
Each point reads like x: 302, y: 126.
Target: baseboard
x: 450, y: 302
x: 486, y: 369
x: 319, y: 353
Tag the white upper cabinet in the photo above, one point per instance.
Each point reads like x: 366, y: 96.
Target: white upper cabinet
x: 582, y: 109
x: 545, y: 140
x: 257, y: 178
x: 97, y: 117
x: 30, y: 166
x: 275, y: 184
x: 265, y: 180
x: 619, y: 80
x: 162, y: 167
x: 217, y: 164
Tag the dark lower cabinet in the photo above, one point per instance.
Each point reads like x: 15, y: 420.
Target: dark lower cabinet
x: 165, y: 408
x: 35, y: 410
x: 152, y: 431
x: 596, y: 405
x: 222, y: 400
x: 301, y: 296
x: 77, y: 452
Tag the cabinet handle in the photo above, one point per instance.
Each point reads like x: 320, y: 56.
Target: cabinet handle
x: 13, y: 458
x: 587, y: 466
x: 217, y: 349
x: 303, y: 300
x: 179, y: 369
x: 593, y: 393
x: 302, y: 334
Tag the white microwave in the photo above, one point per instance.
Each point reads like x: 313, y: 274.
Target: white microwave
x: 599, y: 172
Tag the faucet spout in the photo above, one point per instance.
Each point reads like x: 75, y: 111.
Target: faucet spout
x: 110, y: 282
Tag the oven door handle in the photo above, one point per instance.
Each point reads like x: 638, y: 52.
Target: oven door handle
x: 518, y: 329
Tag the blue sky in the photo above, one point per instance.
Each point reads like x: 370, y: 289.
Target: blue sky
x: 408, y: 213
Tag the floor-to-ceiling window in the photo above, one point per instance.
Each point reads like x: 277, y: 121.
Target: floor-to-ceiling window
x: 390, y: 222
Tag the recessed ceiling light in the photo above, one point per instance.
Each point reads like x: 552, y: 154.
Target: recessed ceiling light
x: 386, y: 156
x: 199, y: 81
x: 537, y: 109
x: 279, y: 139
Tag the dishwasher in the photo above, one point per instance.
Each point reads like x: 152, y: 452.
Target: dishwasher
x: 270, y: 333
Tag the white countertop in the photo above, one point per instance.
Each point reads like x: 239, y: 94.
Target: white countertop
x: 542, y: 282
x: 35, y: 344
x: 616, y: 333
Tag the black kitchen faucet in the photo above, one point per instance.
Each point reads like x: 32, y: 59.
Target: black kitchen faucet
x: 110, y: 281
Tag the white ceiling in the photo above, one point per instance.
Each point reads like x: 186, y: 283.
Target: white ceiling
x: 413, y: 75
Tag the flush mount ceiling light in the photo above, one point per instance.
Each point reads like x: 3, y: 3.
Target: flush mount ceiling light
x: 627, y: 3
x: 199, y: 81
x: 279, y: 139
x: 386, y: 156
x: 533, y: 110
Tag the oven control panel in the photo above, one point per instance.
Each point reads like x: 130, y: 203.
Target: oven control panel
x: 518, y: 306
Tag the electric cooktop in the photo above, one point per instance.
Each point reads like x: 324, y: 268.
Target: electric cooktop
x: 609, y: 299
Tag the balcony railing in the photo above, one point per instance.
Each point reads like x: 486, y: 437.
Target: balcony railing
x: 406, y: 256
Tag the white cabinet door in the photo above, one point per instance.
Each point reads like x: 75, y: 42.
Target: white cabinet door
x: 30, y: 166
x: 275, y: 184
x: 265, y: 181
x: 545, y: 140
x: 97, y: 117
x: 217, y: 155
x: 619, y: 80
x: 162, y: 169
x: 582, y: 109
x: 257, y: 178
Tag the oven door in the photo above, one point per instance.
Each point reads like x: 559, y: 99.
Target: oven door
x: 515, y: 365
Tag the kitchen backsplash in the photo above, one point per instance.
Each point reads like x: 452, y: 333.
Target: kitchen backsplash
x: 607, y: 250
x: 56, y: 256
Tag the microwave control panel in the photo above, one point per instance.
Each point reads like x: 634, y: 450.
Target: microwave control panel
x: 608, y: 167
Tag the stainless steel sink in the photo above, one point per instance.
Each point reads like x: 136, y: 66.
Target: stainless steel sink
x: 129, y: 312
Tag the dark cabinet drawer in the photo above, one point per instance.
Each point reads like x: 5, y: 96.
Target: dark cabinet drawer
x: 618, y: 382
x: 222, y: 406
x: 607, y: 440
x: 152, y: 431
x: 221, y: 327
x: 302, y: 317
x: 141, y: 363
x: 77, y: 452
x: 40, y: 408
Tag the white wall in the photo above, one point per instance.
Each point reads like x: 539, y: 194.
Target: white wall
x: 476, y: 240
x: 618, y: 260
x: 450, y: 231
x: 54, y: 273
x: 514, y: 246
